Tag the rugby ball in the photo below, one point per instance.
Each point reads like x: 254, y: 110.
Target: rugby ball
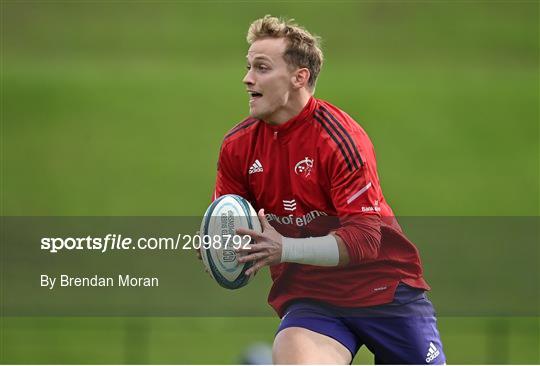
x: 218, y: 230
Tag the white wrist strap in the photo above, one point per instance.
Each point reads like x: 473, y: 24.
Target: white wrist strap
x: 320, y: 251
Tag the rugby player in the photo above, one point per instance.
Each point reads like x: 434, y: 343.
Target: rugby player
x: 344, y: 274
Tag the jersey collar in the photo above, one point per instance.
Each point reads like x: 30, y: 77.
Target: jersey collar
x: 305, y: 114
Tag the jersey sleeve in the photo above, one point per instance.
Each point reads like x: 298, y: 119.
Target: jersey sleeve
x: 356, y: 194
x: 229, y: 179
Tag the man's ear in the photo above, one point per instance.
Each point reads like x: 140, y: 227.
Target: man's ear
x: 301, y: 78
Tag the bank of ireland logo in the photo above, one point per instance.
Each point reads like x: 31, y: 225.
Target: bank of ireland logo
x: 303, y: 167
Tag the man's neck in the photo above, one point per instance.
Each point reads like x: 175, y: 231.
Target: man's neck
x: 293, y: 108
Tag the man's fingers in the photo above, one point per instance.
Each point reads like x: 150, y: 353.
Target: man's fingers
x: 252, y: 248
x: 243, y: 231
x: 262, y: 218
x: 255, y: 267
x: 248, y: 249
x: 252, y: 257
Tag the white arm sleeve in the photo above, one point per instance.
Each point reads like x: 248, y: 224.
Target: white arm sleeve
x: 320, y: 251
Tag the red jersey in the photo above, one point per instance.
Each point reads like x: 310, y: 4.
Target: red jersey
x: 313, y: 175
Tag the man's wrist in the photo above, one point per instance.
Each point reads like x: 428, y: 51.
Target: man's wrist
x: 318, y: 251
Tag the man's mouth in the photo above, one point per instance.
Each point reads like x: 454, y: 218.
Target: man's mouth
x: 253, y: 95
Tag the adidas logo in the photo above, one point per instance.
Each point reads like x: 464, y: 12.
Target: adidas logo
x: 256, y: 167
x: 432, y: 353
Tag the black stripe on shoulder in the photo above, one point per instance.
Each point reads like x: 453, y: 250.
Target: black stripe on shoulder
x: 340, y: 135
x: 239, y: 127
x: 338, y: 143
x: 356, y: 153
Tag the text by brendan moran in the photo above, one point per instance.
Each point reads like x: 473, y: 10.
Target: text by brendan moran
x: 97, y: 281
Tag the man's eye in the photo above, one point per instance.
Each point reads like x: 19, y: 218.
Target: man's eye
x: 258, y: 67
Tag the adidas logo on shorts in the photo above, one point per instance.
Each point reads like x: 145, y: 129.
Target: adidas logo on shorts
x: 256, y: 167
x: 433, y: 352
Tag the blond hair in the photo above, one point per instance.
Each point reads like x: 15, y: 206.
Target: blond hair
x: 303, y: 48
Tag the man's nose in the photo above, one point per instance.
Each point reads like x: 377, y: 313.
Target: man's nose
x: 248, y: 78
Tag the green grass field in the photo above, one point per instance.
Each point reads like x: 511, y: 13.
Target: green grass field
x: 118, y: 109
x: 218, y: 340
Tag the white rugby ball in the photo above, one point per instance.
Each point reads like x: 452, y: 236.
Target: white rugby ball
x: 222, y: 218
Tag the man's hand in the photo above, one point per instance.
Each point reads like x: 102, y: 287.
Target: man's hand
x: 267, y: 248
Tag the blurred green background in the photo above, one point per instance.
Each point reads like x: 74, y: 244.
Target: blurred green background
x: 118, y: 109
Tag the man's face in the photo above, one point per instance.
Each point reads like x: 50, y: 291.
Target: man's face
x: 268, y: 79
